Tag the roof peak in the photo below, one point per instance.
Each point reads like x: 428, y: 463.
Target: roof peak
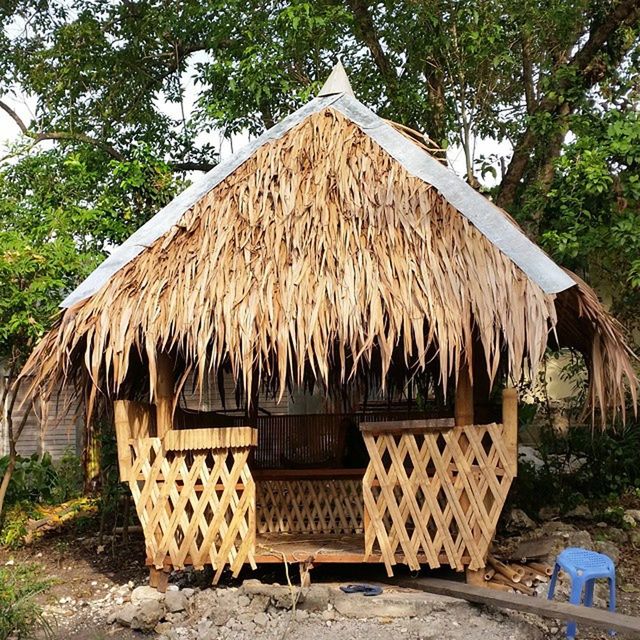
x: 337, y: 82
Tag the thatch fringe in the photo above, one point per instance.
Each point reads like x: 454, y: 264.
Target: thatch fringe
x: 584, y: 325
x: 319, y: 239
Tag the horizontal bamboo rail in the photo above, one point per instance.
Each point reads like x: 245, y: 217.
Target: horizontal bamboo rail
x: 220, y: 438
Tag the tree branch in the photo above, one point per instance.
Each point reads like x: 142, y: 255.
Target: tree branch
x: 191, y: 165
x: 40, y: 136
x: 15, y: 117
x: 627, y: 11
x: 527, y: 74
x: 366, y: 30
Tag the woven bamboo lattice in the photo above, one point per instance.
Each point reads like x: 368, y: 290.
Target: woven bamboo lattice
x: 434, y: 493
x: 310, y: 506
x: 196, y: 506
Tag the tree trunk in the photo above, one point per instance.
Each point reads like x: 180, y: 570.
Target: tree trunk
x: 6, y: 479
x: 10, y: 393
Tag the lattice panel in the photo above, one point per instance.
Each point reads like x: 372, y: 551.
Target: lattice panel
x: 435, y: 495
x: 196, y: 507
x: 310, y: 506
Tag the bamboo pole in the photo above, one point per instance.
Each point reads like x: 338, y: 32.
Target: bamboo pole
x: 164, y: 394
x: 489, y: 572
x: 123, y: 434
x: 510, y: 425
x: 517, y: 586
x: 541, y: 568
x: 464, y: 398
x: 253, y: 400
x: 463, y: 412
x: 503, y: 569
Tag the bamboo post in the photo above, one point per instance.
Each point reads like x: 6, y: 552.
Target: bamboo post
x: 253, y: 400
x: 164, y: 394
x: 464, y: 398
x: 123, y: 434
x: 463, y: 411
x: 510, y: 425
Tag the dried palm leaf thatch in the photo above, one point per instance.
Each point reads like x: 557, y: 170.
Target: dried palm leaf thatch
x: 319, y: 239
x: 584, y: 325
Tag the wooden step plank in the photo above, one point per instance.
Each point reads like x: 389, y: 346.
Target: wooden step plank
x: 589, y: 616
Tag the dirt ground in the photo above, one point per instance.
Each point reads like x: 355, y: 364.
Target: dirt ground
x: 88, y: 578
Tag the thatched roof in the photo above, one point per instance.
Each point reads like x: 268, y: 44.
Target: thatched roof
x: 331, y: 237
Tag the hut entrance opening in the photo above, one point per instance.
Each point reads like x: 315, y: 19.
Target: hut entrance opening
x: 386, y: 485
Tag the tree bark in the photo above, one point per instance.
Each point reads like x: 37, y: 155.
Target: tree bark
x: 365, y: 29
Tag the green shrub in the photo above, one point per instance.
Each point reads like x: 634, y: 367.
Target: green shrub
x: 38, y: 479
x: 20, y: 614
x: 33, y: 479
x: 580, y: 465
x: 14, y: 525
x: 69, y: 477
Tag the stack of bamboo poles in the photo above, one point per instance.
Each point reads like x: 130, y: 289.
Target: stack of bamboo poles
x: 516, y: 577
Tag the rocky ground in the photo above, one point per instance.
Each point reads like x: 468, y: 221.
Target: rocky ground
x: 100, y: 591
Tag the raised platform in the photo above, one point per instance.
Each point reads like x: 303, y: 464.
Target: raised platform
x: 320, y: 549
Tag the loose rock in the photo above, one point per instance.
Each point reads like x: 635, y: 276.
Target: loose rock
x: 518, y: 520
x: 582, y: 511
x: 145, y: 592
x: 261, y: 619
x: 147, y: 615
x: 175, y: 601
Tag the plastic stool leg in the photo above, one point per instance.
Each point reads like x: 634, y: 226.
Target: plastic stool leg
x: 574, y: 598
x: 588, y: 592
x: 612, y: 598
x: 552, y: 582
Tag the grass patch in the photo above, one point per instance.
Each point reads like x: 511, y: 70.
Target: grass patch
x: 20, y: 615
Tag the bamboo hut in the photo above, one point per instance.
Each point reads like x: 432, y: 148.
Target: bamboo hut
x: 333, y: 251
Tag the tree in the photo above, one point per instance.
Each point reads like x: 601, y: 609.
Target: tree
x: 592, y: 211
x: 456, y: 69
x: 523, y: 72
x: 60, y: 210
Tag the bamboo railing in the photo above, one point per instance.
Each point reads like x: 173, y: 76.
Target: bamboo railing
x: 193, y: 491
x: 432, y: 491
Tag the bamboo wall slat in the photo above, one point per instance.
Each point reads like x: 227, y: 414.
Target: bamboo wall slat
x: 314, y: 506
x: 132, y: 420
x: 435, y: 493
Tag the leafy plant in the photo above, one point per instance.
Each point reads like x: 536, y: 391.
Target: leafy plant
x: 14, y: 525
x: 579, y: 465
x: 34, y: 479
x: 20, y: 614
x: 69, y: 477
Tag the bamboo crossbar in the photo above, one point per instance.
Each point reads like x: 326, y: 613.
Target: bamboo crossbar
x: 407, y: 426
x: 219, y: 438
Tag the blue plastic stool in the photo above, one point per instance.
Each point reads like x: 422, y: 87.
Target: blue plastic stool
x: 584, y: 567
